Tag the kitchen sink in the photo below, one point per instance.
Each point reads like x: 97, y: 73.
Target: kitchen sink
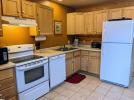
x: 66, y: 48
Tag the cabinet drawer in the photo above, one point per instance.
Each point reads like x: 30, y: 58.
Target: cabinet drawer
x: 4, y: 74
x: 69, y: 55
x: 84, y: 52
x: 8, y: 93
x: 77, y: 53
x: 94, y: 54
x: 6, y: 83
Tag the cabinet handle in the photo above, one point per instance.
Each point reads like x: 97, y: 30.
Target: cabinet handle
x: 23, y: 12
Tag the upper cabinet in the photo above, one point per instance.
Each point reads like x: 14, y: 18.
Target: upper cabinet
x: 71, y: 23
x: 19, y: 8
x: 1, y: 33
x: 28, y: 9
x: 45, y: 19
x: 89, y: 22
x: 99, y: 18
x: 79, y: 23
x: 75, y: 23
x: 11, y: 7
x: 128, y: 12
x: 115, y: 13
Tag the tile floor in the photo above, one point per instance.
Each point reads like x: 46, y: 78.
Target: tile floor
x: 90, y: 88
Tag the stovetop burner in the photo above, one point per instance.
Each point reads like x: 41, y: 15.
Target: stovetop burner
x: 26, y: 58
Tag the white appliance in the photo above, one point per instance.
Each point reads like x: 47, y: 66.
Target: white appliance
x: 31, y: 72
x: 57, y: 70
x: 117, y: 52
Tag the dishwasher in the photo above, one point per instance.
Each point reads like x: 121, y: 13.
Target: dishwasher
x: 57, y: 68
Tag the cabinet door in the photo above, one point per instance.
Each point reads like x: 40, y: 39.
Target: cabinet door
x: 71, y: 23
x: 128, y: 12
x: 69, y: 64
x: 99, y: 18
x: 11, y: 7
x: 84, y: 60
x: 94, y: 62
x: 79, y: 23
x: 76, y: 61
x: 115, y: 13
x: 89, y: 22
x: 45, y: 20
x: 28, y: 9
x: 1, y: 33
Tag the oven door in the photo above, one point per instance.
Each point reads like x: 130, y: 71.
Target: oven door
x: 28, y: 77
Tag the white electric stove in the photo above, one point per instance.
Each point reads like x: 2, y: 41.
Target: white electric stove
x: 31, y: 72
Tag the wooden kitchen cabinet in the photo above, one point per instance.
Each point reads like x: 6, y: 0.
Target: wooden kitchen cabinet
x: 75, y: 23
x: 115, y: 13
x: 84, y: 60
x: 45, y: 20
x: 79, y: 23
x: 89, y: 23
x: 69, y: 64
x: 128, y: 12
x: 1, y: 32
x: 72, y: 63
x: 71, y: 23
x: 8, y: 84
x: 11, y: 7
x: 94, y: 62
x: 19, y: 8
x: 99, y: 18
x: 76, y: 61
x: 28, y: 9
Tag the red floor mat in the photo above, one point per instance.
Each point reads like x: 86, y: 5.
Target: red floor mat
x: 76, y: 78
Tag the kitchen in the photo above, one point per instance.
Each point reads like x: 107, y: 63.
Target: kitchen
x: 58, y: 65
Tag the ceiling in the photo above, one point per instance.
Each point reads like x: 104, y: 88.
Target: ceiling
x: 80, y: 3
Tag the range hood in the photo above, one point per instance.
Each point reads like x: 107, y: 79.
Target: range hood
x: 18, y: 21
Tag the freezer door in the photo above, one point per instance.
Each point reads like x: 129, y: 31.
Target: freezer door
x: 116, y: 63
x: 118, y: 31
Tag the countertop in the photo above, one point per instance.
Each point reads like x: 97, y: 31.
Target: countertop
x: 7, y: 66
x: 50, y: 52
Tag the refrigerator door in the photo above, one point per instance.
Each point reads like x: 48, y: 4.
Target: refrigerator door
x: 118, y: 31
x: 116, y: 63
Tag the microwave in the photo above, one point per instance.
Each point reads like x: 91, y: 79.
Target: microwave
x: 3, y: 56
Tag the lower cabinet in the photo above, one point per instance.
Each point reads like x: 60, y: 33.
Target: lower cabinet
x: 94, y: 62
x: 90, y: 61
x: 7, y: 85
x: 84, y: 60
x: 72, y: 62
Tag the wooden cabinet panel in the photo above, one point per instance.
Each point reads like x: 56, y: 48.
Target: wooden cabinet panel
x: 115, y: 13
x: 8, y: 93
x: 71, y: 23
x: 94, y: 65
x: 6, y: 83
x: 94, y: 62
x: 89, y: 22
x: 76, y: 61
x: 79, y: 23
x: 11, y: 7
x: 128, y: 12
x: 1, y: 33
x: 99, y: 18
x: 28, y: 9
x: 69, y: 64
x: 84, y: 62
x: 4, y: 74
x: 45, y: 20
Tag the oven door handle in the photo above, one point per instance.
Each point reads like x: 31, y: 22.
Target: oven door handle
x: 30, y: 67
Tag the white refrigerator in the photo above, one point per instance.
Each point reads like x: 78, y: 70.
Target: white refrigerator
x: 117, y: 52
